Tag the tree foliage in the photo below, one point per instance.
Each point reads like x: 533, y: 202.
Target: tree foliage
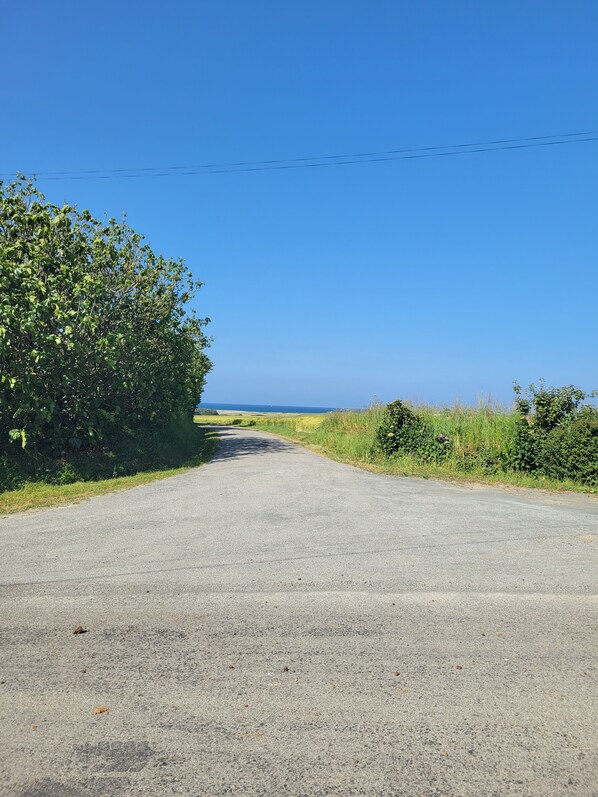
x: 95, y: 338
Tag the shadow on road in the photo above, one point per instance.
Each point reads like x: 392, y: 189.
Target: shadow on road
x: 232, y: 446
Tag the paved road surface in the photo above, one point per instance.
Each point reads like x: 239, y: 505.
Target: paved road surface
x: 274, y: 623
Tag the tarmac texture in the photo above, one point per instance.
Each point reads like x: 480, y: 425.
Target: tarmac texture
x: 274, y: 623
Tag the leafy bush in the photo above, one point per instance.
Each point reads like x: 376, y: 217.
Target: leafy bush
x: 547, y: 407
x: 554, y: 435
x: 392, y: 429
x: 571, y: 450
x: 95, y: 340
x: 403, y: 431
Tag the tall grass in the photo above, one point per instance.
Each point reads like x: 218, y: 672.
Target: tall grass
x: 487, y: 427
x: 473, y: 430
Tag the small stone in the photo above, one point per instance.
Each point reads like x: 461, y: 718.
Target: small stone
x: 79, y: 630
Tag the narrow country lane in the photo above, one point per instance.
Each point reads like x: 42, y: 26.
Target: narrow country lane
x: 275, y: 623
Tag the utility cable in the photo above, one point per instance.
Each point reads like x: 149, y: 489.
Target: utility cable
x: 323, y: 160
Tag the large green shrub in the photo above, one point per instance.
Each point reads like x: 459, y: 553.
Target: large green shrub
x: 403, y: 431
x: 571, y: 450
x: 555, y: 435
x: 95, y: 339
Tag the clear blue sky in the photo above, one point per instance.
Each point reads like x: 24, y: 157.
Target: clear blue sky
x: 432, y: 279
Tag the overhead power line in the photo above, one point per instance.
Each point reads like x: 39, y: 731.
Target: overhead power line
x: 322, y: 160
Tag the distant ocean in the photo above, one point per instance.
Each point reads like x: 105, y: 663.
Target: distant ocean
x: 264, y: 408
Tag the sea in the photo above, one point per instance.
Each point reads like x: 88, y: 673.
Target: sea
x: 205, y: 405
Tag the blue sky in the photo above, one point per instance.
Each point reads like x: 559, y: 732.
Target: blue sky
x: 434, y: 279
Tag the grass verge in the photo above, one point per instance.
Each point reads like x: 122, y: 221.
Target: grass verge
x: 183, y: 448
x: 349, y: 437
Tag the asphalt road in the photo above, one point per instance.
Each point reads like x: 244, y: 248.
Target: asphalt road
x: 274, y: 623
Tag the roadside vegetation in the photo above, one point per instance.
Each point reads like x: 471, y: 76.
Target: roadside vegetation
x: 549, y: 439
x: 129, y: 463
x: 101, y: 362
